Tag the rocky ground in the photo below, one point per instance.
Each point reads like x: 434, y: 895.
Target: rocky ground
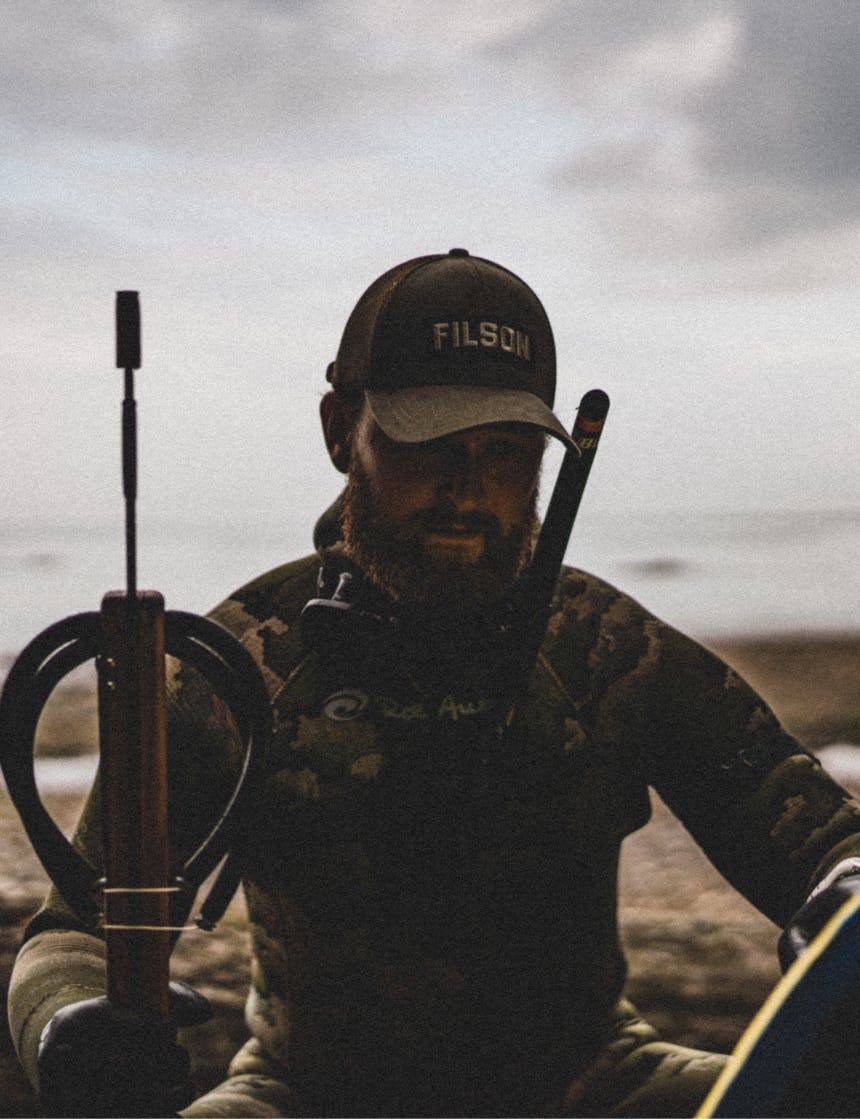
x: 701, y: 958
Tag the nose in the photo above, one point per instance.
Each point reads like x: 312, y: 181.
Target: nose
x: 463, y: 481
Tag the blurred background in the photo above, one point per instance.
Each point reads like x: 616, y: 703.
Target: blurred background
x: 677, y: 180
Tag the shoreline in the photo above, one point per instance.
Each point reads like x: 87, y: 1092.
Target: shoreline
x: 811, y: 681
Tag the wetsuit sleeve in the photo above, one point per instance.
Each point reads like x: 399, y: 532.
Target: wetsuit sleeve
x: 53, y: 969
x: 761, y: 806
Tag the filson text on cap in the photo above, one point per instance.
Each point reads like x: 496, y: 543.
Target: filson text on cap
x: 463, y: 334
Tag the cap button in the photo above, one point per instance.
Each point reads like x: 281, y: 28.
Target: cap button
x: 458, y: 252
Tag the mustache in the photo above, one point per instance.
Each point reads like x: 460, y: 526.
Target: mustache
x: 444, y: 519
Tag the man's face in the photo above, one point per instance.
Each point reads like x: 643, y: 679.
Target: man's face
x: 449, y: 521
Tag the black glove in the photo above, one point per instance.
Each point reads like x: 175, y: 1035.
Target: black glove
x: 813, y: 915
x: 97, y: 1061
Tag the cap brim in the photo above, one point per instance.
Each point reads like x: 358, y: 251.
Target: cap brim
x: 422, y: 413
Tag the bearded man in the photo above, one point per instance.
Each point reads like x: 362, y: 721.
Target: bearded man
x: 432, y: 905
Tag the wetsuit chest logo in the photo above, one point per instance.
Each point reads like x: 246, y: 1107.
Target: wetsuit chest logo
x: 349, y: 703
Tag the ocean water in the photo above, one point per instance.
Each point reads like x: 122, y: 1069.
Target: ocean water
x: 711, y: 574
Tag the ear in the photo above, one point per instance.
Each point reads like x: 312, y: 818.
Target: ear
x: 338, y: 419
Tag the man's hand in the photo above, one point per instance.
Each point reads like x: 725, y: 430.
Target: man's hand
x: 814, y: 914
x: 97, y: 1061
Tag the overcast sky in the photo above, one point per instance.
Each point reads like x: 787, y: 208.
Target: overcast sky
x: 677, y: 180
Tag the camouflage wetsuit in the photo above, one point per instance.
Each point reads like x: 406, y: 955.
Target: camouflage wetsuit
x: 434, y: 919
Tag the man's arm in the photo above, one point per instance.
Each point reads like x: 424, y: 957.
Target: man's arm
x: 764, y: 810
x: 53, y: 969
x: 679, y: 719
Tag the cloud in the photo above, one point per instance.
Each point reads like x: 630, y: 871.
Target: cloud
x: 788, y: 108
x: 161, y: 74
x: 222, y: 76
x: 186, y: 126
x: 710, y: 128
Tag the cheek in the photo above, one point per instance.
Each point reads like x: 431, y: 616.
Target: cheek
x: 399, y: 489
x: 514, y: 508
x: 513, y: 498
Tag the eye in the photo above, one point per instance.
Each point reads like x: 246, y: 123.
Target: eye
x: 502, y: 450
x: 509, y: 450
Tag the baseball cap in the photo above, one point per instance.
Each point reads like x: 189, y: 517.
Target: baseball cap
x: 448, y: 342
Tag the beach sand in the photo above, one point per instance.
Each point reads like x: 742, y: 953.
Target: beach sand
x: 701, y: 958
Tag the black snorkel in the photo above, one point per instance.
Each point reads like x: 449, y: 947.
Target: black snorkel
x: 538, y: 581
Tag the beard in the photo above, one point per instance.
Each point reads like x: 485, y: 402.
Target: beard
x: 396, y: 558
